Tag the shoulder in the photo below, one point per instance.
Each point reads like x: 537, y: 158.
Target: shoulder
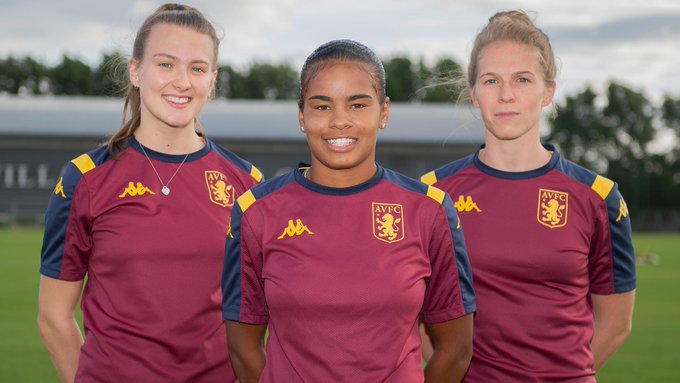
x: 81, y: 165
x: 266, y: 188
x: 602, y: 186
x: 236, y: 161
x: 448, y: 170
x: 415, y: 186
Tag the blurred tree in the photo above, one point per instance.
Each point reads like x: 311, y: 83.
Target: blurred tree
x: 230, y: 83
x: 72, y: 77
x: 670, y: 112
x: 271, y: 82
x: 21, y: 76
x: 580, y: 133
x: 630, y: 117
x: 111, y: 75
x: 401, y: 80
x: 442, y: 84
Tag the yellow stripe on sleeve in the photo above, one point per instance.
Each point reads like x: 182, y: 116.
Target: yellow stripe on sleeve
x: 245, y: 200
x: 436, y: 194
x: 429, y: 178
x: 603, y: 186
x: 84, y: 163
x: 256, y: 173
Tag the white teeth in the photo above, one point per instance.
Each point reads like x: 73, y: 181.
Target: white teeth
x: 177, y: 100
x: 341, y: 141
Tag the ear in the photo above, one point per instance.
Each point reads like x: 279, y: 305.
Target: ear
x: 473, y: 97
x: 549, y: 94
x: 384, y: 113
x: 301, y: 121
x: 133, y: 72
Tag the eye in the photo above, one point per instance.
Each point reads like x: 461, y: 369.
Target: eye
x: 165, y: 65
x: 523, y: 80
x: 490, y: 81
x: 199, y: 69
x: 322, y: 107
x: 358, y: 106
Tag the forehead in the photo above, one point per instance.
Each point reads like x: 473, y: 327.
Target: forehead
x: 508, y: 56
x: 182, y: 42
x: 342, y: 75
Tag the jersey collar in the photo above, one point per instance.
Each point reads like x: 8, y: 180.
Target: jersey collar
x: 299, y: 178
x: 554, y: 159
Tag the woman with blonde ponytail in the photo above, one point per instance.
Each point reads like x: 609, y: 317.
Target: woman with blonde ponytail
x: 144, y: 219
x: 549, y: 241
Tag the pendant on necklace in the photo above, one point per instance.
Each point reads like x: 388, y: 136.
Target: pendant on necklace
x: 165, y: 190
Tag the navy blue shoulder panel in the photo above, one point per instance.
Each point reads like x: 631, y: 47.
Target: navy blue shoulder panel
x: 269, y: 186
x: 405, y: 181
x: 455, y: 166
x: 59, y: 207
x: 576, y: 172
x: 239, y: 162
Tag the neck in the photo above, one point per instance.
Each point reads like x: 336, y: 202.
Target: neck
x: 169, y: 141
x: 340, y: 178
x: 513, y: 156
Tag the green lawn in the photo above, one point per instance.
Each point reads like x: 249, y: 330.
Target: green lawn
x: 649, y: 355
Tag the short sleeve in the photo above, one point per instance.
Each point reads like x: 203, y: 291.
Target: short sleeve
x: 67, y: 241
x: 243, y: 298
x: 612, y: 256
x: 449, y: 293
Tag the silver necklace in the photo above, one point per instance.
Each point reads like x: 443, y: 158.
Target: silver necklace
x: 165, y: 190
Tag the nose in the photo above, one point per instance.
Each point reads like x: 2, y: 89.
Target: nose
x: 181, y: 80
x: 341, y: 120
x: 506, y: 93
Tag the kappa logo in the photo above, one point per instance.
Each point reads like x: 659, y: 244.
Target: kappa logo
x: 59, y: 189
x: 296, y: 229
x: 388, y: 222
x: 623, y: 210
x: 221, y: 193
x: 134, y: 190
x: 552, y: 208
x: 466, y: 205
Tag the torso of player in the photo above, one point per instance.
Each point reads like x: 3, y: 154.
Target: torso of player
x: 155, y: 266
x: 528, y: 242
x: 348, y: 272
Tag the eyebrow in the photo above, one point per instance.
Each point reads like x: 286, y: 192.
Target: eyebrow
x: 523, y: 72
x: 350, y: 98
x: 177, y: 58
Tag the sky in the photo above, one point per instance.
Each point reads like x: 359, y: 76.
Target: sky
x: 634, y: 42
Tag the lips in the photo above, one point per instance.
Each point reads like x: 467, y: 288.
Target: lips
x: 506, y: 114
x: 177, y: 99
x: 341, y: 142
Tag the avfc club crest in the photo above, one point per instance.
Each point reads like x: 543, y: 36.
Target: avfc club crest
x: 552, y: 208
x: 388, y: 222
x: 221, y: 193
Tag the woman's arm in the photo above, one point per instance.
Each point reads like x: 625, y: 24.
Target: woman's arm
x: 246, y: 350
x: 57, y: 301
x: 452, y: 342
x: 613, y: 324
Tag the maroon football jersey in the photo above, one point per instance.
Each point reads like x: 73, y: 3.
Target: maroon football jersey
x: 539, y: 243
x: 152, y: 301
x: 341, y: 275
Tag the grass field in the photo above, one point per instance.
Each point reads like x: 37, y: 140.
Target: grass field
x: 649, y: 355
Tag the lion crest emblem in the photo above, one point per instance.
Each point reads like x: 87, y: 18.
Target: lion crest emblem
x: 388, y: 222
x: 553, y: 207
x: 221, y: 193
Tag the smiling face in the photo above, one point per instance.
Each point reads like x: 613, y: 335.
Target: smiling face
x: 510, y: 91
x: 341, y: 113
x: 175, y: 76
